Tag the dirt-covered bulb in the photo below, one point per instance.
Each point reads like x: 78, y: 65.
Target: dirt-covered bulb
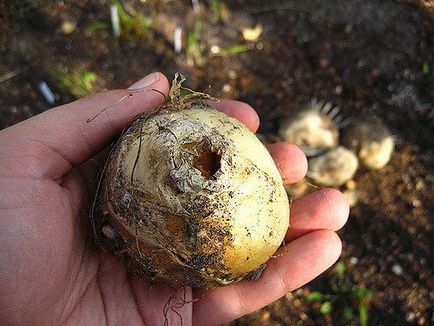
x: 190, y: 197
x: 333, y: 168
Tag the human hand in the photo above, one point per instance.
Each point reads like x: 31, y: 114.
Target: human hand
x: 52, y: 273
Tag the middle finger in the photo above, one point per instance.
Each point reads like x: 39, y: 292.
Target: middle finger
x: 323, y: 209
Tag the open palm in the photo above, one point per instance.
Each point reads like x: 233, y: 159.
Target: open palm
x: 52, y: 273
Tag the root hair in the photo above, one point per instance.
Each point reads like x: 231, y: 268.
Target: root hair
x: 282, y: 245
x: 129, y: 94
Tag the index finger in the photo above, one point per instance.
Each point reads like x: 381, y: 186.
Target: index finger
x: 238, y: 110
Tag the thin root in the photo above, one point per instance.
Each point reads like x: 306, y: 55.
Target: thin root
x: 137, y: 240
x: 282, y: 254
x: 168, y: 306
x: 136, y: 161
x: 128, y: 95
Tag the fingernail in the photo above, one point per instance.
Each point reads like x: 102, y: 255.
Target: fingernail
x: 146, y: 81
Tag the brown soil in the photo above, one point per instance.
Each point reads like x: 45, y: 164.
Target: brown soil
x: 368, y: 57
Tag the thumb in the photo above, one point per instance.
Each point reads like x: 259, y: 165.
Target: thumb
x: 63, y: 137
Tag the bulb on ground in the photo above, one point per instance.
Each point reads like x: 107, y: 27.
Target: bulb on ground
x: 333, y: 168
x: 372, y: 141
x: 313, y: 128
x: 194, y: 199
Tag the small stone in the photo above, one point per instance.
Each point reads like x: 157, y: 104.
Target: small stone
x: 227, y: 88
x: 68, y: 27
x: 419, y: 184
x: 215, y: 49
x: 303, y: 316
x: 252, y: 34
x: 260, y: 46
x: 265, y: 316
x: 324, y: 62
x: 397, y: 269
x: 416, y: 203
x: 351, y: 184
x: 108, y: 231
x: 410, y: 316
x: 232, y: 74
x: 354, y: 260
